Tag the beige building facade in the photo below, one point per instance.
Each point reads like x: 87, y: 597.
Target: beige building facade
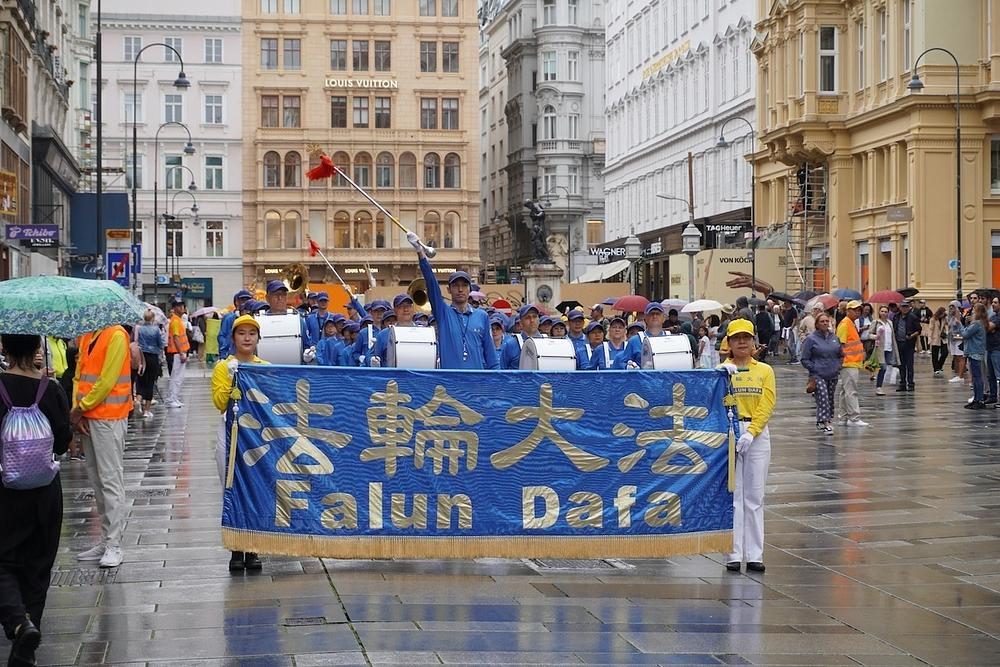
x: 859, y: 170
x: 390, y: 91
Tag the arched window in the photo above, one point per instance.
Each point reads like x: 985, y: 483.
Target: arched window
x: 272, y: 229
x: 272, y: 170
x: 319, y: 182
x: 432, y: 229
x: 449, y: 229
x: 293, y: 170
x: 363, y: 170
x: 343, y: 162
x: 363, y: 230
x: 380, y: 229
x: 432, y: 171
x: 452, y: 171
x: 384, y: 166
x: 407, y: 170
x: 293, y: 223
x: 341, y: 229
x: 549, y: 122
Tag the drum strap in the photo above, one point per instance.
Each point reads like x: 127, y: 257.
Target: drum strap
x: 371, y: 338
x: 607, y: 354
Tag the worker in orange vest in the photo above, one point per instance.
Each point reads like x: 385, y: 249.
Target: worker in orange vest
x: 177, y: 353
x: 102, y: 400
x: 854, y: 358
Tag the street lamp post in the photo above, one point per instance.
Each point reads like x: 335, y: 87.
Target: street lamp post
x: 722, y: 143
x: 181, y: 82
x: 633, y: 252
x: 916, y: 85
x: 188, y: 150
x: 193, y: 187
x: 691, y: 246
x: 173, y: 216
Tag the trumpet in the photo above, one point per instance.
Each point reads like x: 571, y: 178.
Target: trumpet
x: 417, y: 290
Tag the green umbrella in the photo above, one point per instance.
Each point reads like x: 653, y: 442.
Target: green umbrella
x: 65, y: 307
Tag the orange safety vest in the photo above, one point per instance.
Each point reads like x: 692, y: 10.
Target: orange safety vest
x: 118, y: 403
x: 185, y: 346
x: 854, y: 350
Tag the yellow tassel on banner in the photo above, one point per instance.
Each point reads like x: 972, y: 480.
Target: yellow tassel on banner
x: 623, y: 546
x: 231, y: 471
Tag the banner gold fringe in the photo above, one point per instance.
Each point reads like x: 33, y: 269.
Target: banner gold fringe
x: 614, y: 546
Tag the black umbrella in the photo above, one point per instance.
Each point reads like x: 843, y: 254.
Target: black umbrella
x: 781, y: 296
x: 805, y: 295
x: 907, y: 292
x: 565, y: 306
x: 986, y: 292
x: 757, y: 303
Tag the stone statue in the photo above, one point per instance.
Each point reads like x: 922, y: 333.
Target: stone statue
x: 539, y: 246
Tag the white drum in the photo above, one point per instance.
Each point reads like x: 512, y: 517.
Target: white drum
x: 280, y: 339
x: 667, y: 353
x: 548, y: 354
x: 412, y: 347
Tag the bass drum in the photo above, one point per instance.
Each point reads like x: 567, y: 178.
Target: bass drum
x: 667, y: 353
x: 280, y: 339
x: 548, y: 354
x: 412, y: 347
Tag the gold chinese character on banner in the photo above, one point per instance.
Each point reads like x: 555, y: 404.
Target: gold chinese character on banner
x: 390, y: 426
x: 546, y: 414
x: 677, y: 436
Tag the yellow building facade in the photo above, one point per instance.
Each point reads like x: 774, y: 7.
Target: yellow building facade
x: 859, y: 169
x: 389, y: 89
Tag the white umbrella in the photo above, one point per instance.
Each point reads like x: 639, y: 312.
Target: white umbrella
x: 674, y: 303
x: 159, y: 317
x: 701, y: 306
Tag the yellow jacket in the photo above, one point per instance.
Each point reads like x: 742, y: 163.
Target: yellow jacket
x: 223, y: 388
x: 754, y: 390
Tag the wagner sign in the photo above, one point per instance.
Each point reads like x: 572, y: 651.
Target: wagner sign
x: 330, y: 82
x: 607, y: 255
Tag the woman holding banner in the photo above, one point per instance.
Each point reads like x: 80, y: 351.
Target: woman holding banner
x: 754, y: 389
x: 246, y: 335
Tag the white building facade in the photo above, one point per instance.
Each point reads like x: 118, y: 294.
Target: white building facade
x: 198, y: 252
x: 554, y: 116
x: 677, y: 72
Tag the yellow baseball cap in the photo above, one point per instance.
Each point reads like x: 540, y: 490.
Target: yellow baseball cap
x: 246, y: 319
x: 851, y: 305
x: 739, y: 327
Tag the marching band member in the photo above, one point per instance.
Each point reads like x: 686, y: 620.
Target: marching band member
x: 316, y: 320
x: 245, y: 336
x: 754, y: 389
x: 371, y: 324
x: 225, y: 337
x: 420, y: 319
x: 350, y: 333
x: 631, y: 357
x: 574, y: 320
x: 402, y: 305
x: 557, y: 329
x: 633, y: 329
x: 616, y: 336
x: 545, y: 324
x: 497, y: 332
x: 329, y: 347
x: 277, y: 304
x: 596, y: 355
x: 463, y: 332
x: 511, y: 357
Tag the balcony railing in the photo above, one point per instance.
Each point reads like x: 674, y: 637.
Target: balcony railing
x: 52, y: 64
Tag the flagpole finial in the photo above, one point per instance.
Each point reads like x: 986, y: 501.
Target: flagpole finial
x: 314, y: 150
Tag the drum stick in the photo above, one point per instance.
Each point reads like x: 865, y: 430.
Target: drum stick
x: 428, y: 250
x: 315, y: 246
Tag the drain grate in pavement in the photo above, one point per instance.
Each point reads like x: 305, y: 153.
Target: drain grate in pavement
x: 571, y: 564
x: 83, y: 577
x: 305, y: 620
x: 88, y: 495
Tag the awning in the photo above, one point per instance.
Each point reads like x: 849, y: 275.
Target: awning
x: 603, y: 271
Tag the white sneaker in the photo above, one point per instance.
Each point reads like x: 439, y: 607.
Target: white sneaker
x: 856, y: 422
x: 955, y: 379
x: 93, y: 553
x: 175, y: 404
x: 147, y: 415
x: 113, y: 556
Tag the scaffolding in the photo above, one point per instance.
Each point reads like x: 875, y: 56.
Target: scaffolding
x: 807, y: 249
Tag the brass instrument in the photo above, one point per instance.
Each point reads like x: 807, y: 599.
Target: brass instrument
x: 417, y: 289
x: 296, y: 278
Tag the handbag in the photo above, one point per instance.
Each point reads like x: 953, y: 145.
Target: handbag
x: 811, y: 385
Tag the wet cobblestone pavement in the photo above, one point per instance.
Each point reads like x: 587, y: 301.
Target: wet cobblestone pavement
x: 883, y: 548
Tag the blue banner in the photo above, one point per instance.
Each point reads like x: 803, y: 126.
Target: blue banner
x: 358, y: 462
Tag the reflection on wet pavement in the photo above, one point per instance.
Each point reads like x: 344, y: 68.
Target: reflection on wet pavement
x: 883, y: 548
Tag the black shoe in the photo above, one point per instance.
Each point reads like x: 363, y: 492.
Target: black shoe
x: 901, y: 389
x: 755, y: 567
x: 252, y: 562
x: 733, y: 566
x: 990, y: 401
x: 26, y: 641
x: 236, y: 562
x: 975, y: 405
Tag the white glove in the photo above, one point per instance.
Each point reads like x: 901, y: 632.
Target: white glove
x: 631, y: 365
x: 743, y: 443
x: 415, y: 242
x: 732, y: 369
x: 309, y: 355
x: 232, y: 365
x: 376, y: 362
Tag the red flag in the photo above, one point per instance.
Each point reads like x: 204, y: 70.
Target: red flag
x: 313, y: 248
x: 325, y: 169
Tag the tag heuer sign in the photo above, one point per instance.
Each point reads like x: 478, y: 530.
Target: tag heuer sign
x: 726, y: 228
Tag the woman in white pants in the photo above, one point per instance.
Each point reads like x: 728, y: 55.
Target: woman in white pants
x: 246, y: 335
x: 754, y: 389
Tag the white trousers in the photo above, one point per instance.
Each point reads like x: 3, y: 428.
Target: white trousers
x: 176, y: 380
x: 748, y: 500
x: 105, y: 464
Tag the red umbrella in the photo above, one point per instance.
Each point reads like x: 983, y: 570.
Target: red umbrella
x: 885, y: 296
x: 633, y: 303
x: 828, y: 300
